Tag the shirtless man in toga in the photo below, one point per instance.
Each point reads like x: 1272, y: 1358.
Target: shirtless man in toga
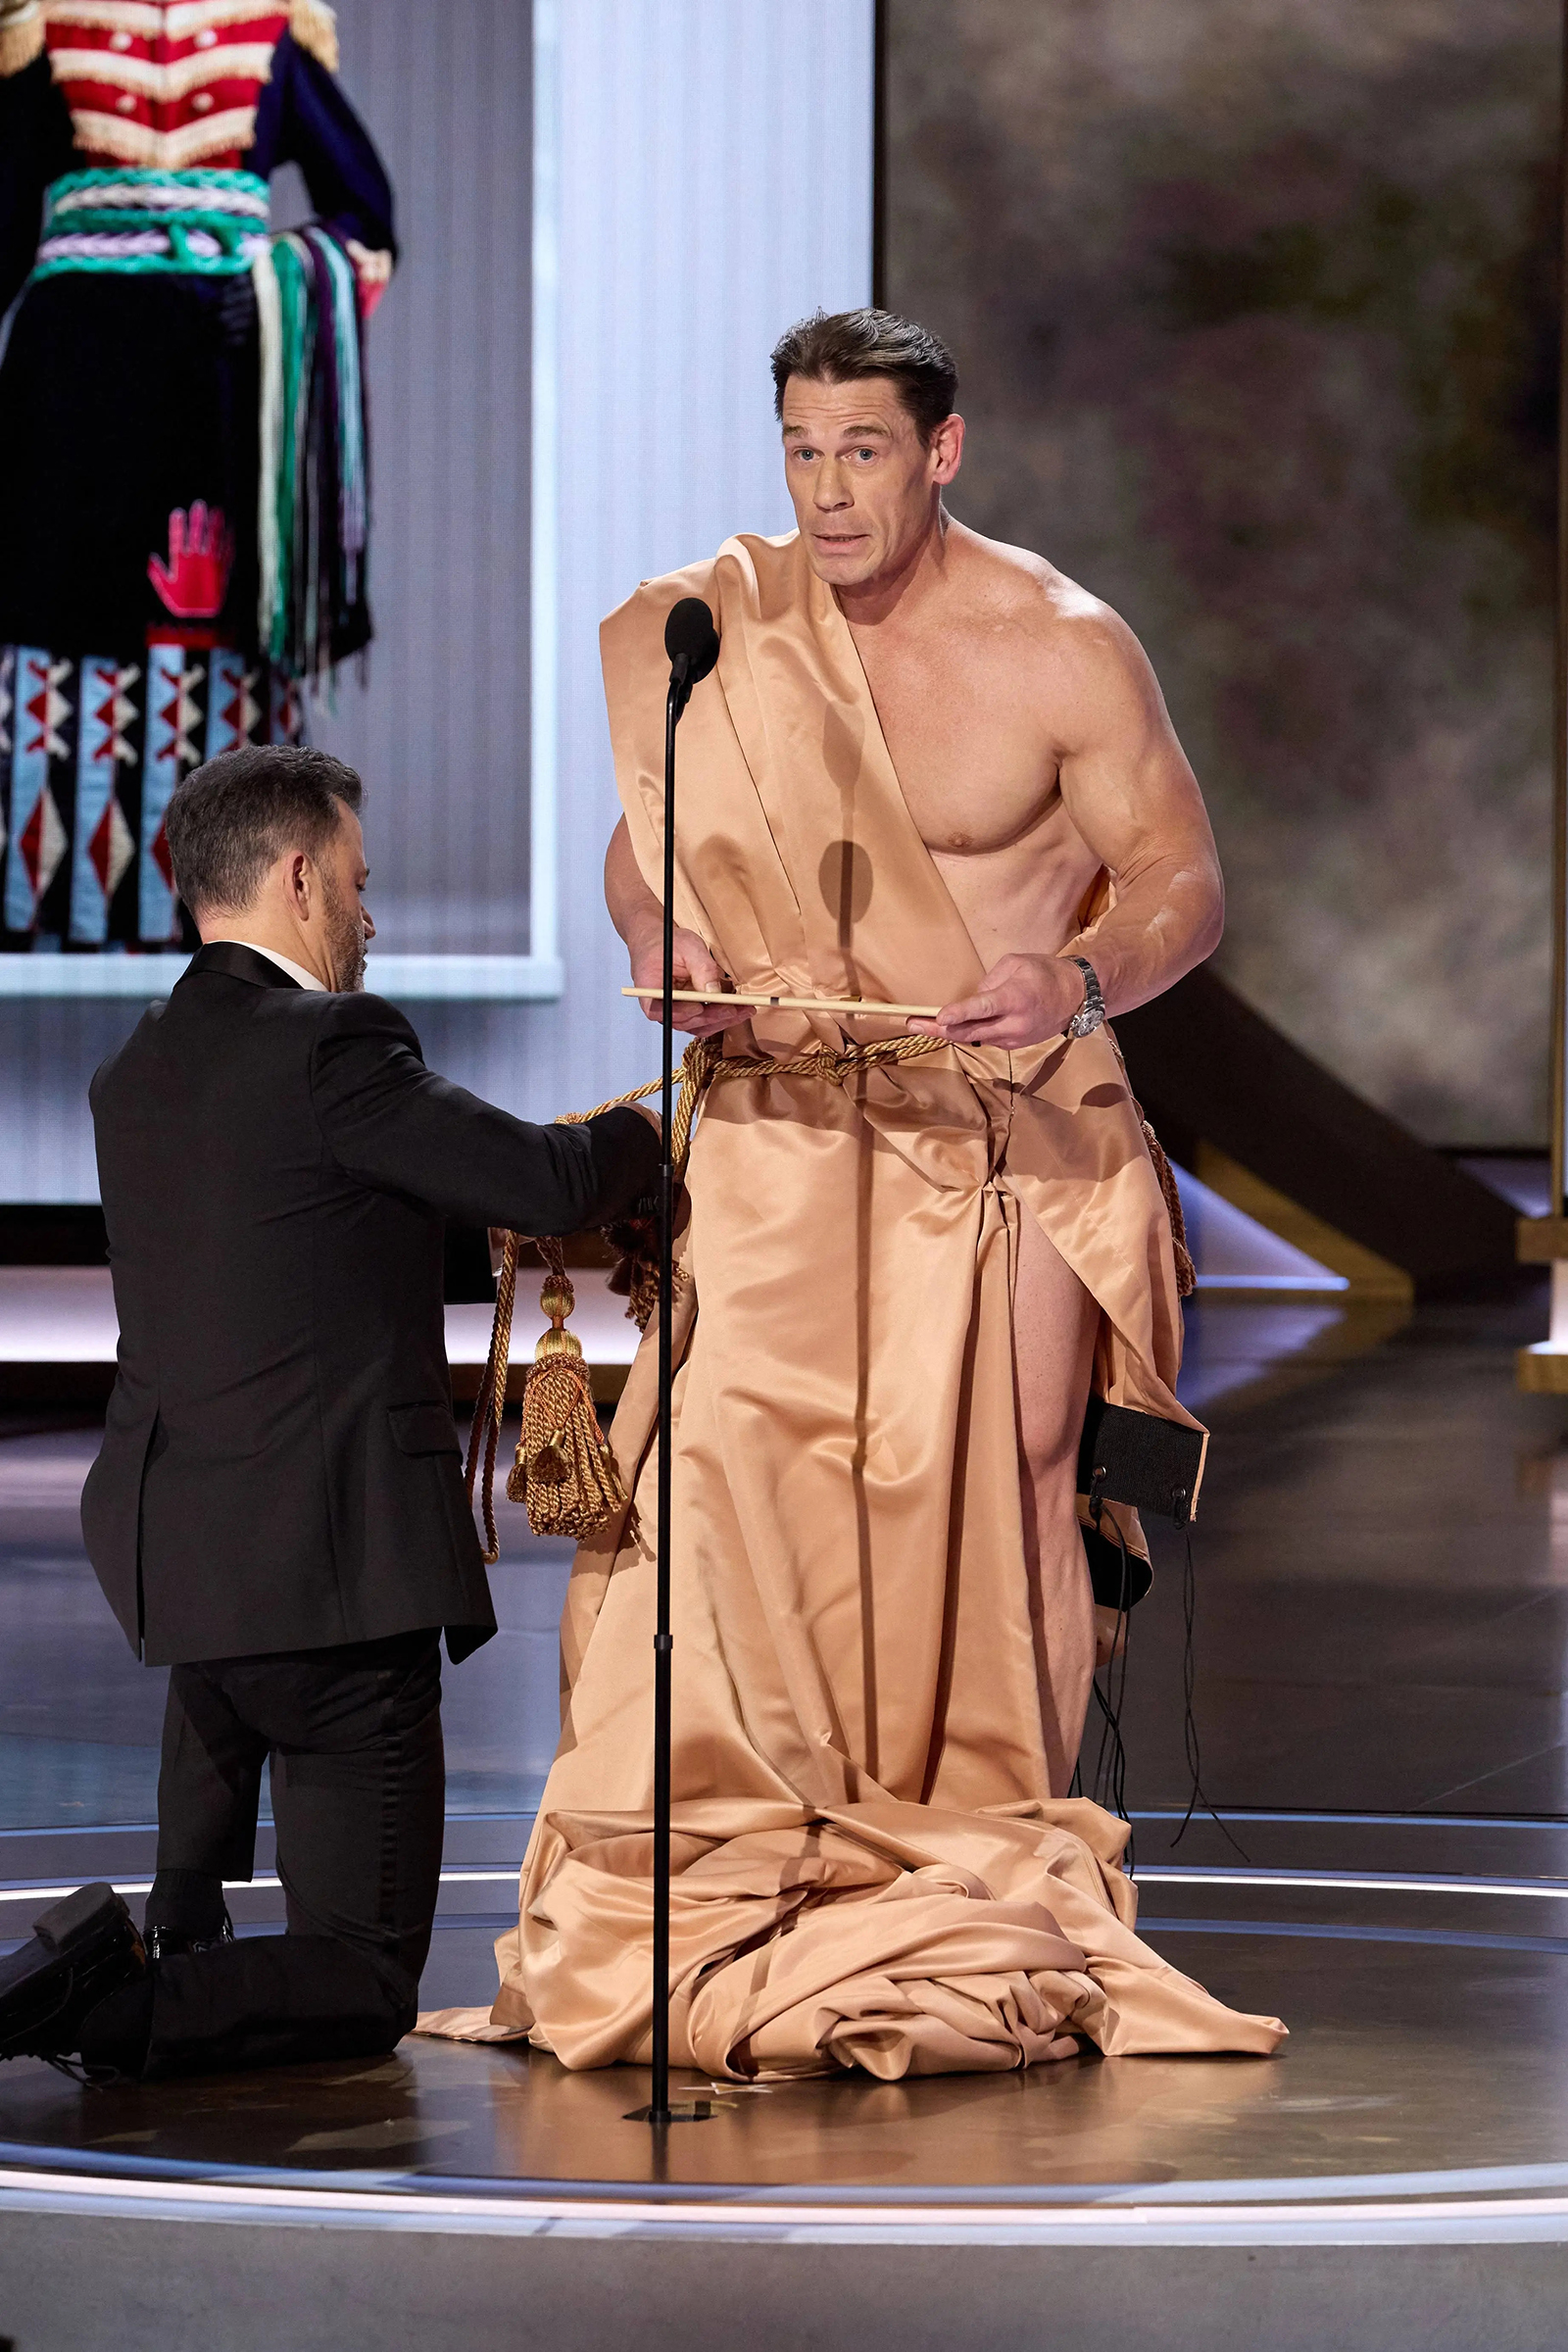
x: 1034, y: 749
x: 922, y: 770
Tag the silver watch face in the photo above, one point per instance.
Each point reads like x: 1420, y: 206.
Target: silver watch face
x: 1092, y: 1012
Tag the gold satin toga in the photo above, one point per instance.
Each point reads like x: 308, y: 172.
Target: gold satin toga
x: 877, y: 1707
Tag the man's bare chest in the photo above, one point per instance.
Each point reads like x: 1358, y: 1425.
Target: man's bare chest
x: 974, y: 753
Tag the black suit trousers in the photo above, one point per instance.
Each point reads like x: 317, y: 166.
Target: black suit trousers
x: 354, y: 1739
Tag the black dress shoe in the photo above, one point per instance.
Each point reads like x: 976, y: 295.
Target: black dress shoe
x: 167, y: 1943
x: 83, y: 1950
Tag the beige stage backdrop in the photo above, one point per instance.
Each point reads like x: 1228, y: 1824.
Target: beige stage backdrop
x: 1255, y: 310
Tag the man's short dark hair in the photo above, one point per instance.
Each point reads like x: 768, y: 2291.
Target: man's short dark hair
x: 231, y: 820
x: 844, y: 347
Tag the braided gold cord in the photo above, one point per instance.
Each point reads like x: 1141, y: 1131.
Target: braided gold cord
x: 703, y: 1063
x: 491, y: 1402
x: 1185, y: 1272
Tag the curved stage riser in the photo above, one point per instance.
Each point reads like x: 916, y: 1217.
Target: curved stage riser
x: 87, y: 2285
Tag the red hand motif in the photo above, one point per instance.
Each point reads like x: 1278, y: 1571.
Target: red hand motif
x: 201, y: 556
x: 373, y: 273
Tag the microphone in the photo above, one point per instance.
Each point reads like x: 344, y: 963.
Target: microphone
x: 692, y: 642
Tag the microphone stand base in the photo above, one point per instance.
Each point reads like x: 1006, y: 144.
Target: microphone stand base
x: 695, y: 2111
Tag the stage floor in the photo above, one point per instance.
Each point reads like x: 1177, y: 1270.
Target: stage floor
x: 1383, y: 1663
x: 1429, y: 2037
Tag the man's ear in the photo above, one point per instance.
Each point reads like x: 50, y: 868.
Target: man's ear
x: 299, y: 878
x: 947, y: 447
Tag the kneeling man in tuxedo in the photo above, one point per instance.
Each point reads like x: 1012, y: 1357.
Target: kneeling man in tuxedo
x: 277, y: 1512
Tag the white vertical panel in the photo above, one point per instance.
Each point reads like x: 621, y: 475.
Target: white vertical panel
x: 716, y: 184
x: 440, y: 731
x: 49, y: 1049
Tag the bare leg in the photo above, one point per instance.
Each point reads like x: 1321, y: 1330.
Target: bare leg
x: 1053, y: 1322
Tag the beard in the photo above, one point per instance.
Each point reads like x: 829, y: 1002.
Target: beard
x: 345, y: 941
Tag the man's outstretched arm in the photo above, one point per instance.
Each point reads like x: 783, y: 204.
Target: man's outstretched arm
x: 1135, y: 802
x: 638, y: 917
x: 394, y: 1124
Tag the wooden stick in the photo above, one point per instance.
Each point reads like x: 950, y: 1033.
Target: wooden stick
x: 846, y: 1006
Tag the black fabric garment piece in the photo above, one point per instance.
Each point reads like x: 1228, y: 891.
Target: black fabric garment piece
x: 280, y: 1468
x: 120, y: 399
x: 125, y: 397
x: 35, y: 147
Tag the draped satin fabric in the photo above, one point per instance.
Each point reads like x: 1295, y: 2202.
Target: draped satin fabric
x: 878, y: 1699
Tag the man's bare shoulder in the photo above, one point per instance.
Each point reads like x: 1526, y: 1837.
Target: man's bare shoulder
x: 1014, y: 588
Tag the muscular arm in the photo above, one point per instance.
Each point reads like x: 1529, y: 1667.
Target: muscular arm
x: 638, y: 917
x: 1135, y: 805
x: 1134, y: 800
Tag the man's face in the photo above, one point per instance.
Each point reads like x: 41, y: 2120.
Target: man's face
x: 864, y: 484
x: 346, y: 917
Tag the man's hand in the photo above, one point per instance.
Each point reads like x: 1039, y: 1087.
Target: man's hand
x: 693, y: 967
x: 1021, y: 1002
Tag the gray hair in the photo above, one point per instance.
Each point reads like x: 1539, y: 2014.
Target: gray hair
x: 231, y: 819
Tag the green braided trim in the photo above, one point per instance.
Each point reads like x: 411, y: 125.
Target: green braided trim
x: 94, y: 218
x: 64, y: 218
x: 295, y: 287
x: 143, y: 264
x: 246, y: 183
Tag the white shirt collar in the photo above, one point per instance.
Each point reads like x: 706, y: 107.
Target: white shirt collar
x: 285, y: 964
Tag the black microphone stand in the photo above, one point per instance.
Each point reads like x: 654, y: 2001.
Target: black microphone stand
x: 664, y: 1640
x: 659, y: 2111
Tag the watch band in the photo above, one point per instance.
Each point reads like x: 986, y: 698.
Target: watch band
x: 1092, y: 1012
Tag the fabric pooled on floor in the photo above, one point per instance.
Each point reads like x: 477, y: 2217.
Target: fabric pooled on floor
x: 893, y: 1937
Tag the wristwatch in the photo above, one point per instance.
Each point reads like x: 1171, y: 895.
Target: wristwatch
x: 1092, y: 1012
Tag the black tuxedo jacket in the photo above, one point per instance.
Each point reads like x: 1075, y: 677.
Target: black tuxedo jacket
x: 280, y: 1468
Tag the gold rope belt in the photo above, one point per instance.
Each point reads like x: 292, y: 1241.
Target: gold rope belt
x: 565, y: 1473
x: 704, y: 1061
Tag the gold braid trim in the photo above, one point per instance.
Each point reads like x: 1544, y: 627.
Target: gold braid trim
x: 564, y: 1474
x: 20, y: 35
x: 491, y: 1402
x: 1186, y: 1271
x: 314, y: 27
x: 703, y: 1063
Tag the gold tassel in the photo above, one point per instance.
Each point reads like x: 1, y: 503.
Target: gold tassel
x: 635, y: 1241
x: 564, y: 1474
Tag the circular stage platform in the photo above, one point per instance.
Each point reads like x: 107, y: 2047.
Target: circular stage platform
x: 1397, y: 2176
x: 1383, y: 1621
